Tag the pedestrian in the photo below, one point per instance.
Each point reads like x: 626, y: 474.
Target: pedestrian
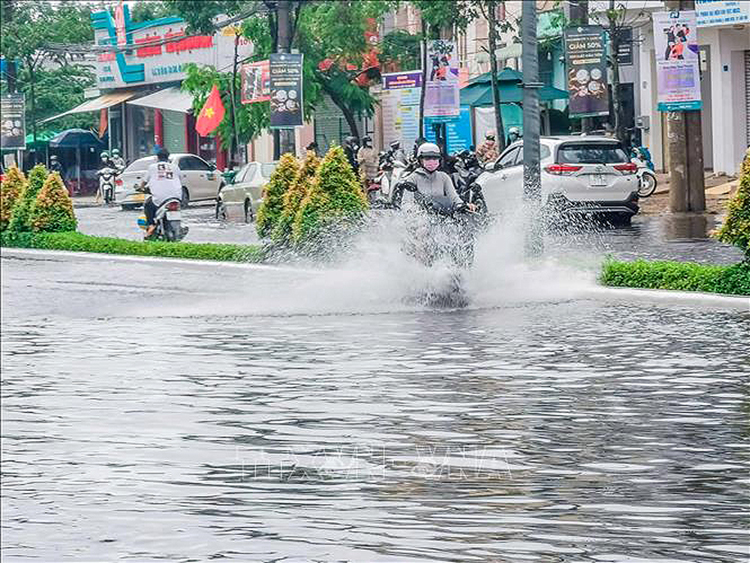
x: 487, y: 151
x: 312, y: 149
x: 367, y: 160
x: 350, y: 150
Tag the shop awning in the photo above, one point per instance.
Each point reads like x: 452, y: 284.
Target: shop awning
x: 102, y: 102
x: 172, y: 99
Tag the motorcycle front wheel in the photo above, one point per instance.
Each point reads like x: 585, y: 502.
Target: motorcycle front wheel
x: 647, y: 185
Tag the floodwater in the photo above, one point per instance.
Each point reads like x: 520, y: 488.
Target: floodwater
x: 188, y: 412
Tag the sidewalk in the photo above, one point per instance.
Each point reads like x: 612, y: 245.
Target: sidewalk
x: 85, y: 201
x: 719, y: 189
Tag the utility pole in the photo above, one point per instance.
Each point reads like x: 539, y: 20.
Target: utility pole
x: 532, y: 187
x: 492, y: 20
x: 614, y: 48
x: 283, y: 138
x: 423, y: 91
x: 579, y: 15
x: 235, y: 137
x: 687, y: 188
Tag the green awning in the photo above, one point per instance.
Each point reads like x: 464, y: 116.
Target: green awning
x: 41, y: 137
x: 505, y: 75
x: 510, y: 92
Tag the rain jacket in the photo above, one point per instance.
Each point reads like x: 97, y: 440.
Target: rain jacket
x: 436, y: 183
x: 487, y: 151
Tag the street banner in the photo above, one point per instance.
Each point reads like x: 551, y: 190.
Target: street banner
x: 286, y: 90
x: 625, y: 46
x: 400, y: 105
x: 587, y: 71
x: 457, y: 130
x: 256, y: 82
x: 677, y: 63
x: 442, y: 97
x: 721, y: 12
x: 12, y: 122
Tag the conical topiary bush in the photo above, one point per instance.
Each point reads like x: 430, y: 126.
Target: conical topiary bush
x: 53, y: 211
x: 10, y: 189
x: 281, y: 180
x: 19, y: 220
x: 293, y: 198
x: 334, y: 199
x: 736, y: 228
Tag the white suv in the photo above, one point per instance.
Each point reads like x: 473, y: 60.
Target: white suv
x: 580, y: 174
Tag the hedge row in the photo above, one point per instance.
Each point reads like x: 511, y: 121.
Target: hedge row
x: 681, y: 276
x: 78, y: 242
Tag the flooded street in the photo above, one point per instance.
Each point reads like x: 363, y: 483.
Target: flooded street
x: 165, y: 410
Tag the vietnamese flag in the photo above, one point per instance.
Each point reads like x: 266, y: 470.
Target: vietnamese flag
x: 211, y: 114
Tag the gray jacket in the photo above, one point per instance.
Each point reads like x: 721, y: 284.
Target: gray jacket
x: 436, y: 183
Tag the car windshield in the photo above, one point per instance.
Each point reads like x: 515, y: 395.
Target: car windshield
x: 589, y: 153
x: 267, y: 169
x: 140, y: 164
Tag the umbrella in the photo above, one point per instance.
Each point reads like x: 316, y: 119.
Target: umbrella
x: 75, y: 138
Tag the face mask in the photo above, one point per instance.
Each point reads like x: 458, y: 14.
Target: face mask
x: 431, y: 164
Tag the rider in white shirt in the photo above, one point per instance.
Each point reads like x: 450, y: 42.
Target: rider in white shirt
x: 163, y: 183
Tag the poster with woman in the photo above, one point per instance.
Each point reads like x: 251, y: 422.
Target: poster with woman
x: 442, y: 97
x: 677, y: 62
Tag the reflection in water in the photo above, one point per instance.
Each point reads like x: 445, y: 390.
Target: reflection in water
x: 562, y: 431
x: 687, y: 226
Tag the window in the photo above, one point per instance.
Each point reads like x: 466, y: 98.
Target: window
x: 544, y: 152
x: 508, y: 158
x: 267, y: 169
x: 193, y: 163
x: 591, y: 153
x: 247, y: 173
x: 140, y: 164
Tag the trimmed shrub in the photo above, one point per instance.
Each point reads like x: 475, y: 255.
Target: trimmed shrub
x: 19, y: 220
x: 293, y: 198
x: 335, y: 200
x: 53, y: 211
x: 10, y: 189
x: 682, y: 276
x: 79, y: 242
x: 736, y: 228
x: 280, y: 182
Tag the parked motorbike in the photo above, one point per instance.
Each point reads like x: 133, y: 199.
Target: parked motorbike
x: 466, y: 170
x: 641, y: 157
x: 393, y: 166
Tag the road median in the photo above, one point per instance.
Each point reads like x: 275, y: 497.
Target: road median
x: 78, y: 242
x: 679, y: 276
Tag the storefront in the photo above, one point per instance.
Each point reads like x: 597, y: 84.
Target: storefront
x: 141, y: 101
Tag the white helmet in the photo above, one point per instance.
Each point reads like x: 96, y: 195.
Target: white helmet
x: 428, y: 150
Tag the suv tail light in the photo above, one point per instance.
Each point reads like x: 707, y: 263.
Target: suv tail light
x: 562, y: 169
x: 173, y: 206
x: 629, y: 168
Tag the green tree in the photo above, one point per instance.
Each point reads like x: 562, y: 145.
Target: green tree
x: 293, y: 198
x: 736, y: 227
x: 334, y: 203
x: 10, y: 189
x: 20, y: 215
x: 280, y: 182
x: 145, y: 10
x: 52, y: 211
x: 34, y: 36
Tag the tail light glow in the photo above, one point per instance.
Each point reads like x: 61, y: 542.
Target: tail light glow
x: 629, y: 168
x: 562, y: 169
x: 173, y: 206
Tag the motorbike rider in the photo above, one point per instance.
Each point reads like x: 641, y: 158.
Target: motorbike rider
x: 428, y: 182
x: 487, y: 151
x: 350, y: 150
x: 117, y: 160
x: 367, y: 159
x: 164, y: 183
x: 514, y: 133
x: 54, y: 165
x: 106, y: 162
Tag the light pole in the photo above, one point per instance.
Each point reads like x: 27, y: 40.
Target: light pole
x: 532, y: 187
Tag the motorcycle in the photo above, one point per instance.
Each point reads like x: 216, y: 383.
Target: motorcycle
x: 641, y: 157
x: 107, y: 179
x: 392, y: 166
x: 466, y: 170
x: 168, y: 221
x: 440, y: 233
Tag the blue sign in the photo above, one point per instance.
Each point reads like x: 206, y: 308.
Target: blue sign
x: 457, y: 130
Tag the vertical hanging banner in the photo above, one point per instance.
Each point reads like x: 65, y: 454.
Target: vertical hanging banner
x: 677, y: 63
x: 399, y: 101
x: 586, y: 63
x: 256, y: 82
x: 12, y: 121
x: 442, y: 98
x: 286, y: 90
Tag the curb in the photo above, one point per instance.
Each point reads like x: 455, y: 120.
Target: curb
x: 628, y: 294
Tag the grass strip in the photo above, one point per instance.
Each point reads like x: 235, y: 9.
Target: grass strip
x: 680, y: 276
x: 78, y: 242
